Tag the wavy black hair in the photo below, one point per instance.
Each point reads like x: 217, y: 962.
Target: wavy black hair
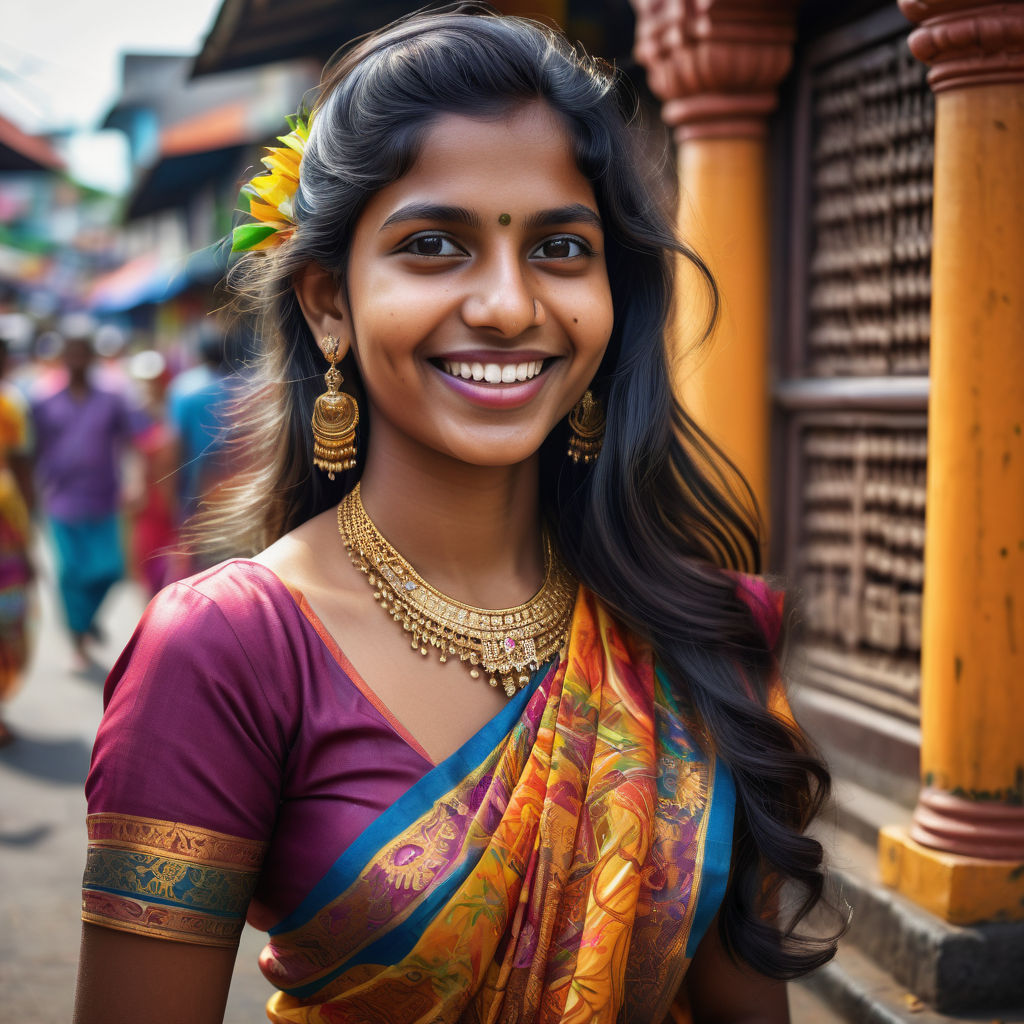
x: 659, y: 526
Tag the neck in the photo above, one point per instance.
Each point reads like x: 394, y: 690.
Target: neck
x: 472, y: 532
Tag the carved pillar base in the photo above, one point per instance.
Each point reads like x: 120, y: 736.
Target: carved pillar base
x: 970, y: 828
x: 960, y: 890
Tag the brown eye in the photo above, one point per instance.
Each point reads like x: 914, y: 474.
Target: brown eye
x: 557, y: 248
x: 428, y: 245
x: 562, y: 248
x: 434, y: 245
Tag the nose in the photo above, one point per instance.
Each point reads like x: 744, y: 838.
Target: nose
x: 500, y: 298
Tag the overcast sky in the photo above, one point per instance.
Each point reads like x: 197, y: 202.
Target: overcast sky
x: 60, y: 65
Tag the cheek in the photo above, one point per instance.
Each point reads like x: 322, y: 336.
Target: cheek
x: 593, y: 327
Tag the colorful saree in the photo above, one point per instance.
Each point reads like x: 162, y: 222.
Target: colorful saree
x: 561, y: 866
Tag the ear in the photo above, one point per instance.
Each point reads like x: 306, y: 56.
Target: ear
x: 323, y: 304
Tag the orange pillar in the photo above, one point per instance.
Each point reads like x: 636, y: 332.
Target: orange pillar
x: 963, y: 858
x: 716, y: 65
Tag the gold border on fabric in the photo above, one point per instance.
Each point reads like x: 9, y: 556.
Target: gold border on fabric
x: 159, y: 922
x: 184, y: 842
x: 168, y: 880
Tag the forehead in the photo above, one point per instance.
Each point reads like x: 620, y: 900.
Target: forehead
x: 517, y: 163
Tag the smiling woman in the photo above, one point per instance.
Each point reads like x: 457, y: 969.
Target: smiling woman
x: 505, y: 492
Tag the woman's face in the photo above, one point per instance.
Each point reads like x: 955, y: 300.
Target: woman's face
x: 477, y: 295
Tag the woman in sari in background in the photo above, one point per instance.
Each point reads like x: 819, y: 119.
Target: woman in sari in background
x: 15, y: 536
x: 498, y: 487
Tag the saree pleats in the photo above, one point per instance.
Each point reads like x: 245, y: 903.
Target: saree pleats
x: 559, y: 867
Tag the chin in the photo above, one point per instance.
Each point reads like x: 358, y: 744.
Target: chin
x: 495, y: 455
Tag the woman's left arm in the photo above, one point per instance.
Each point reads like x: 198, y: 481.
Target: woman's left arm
x: 723, y: 992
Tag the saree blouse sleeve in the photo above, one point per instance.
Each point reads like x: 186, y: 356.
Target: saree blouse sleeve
x: 184, y: 784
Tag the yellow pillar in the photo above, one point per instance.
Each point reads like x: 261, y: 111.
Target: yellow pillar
x: 716, y: 65
x: 963, y: 858
x: 723, y: 215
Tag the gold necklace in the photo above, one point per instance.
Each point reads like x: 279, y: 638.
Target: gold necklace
x: 507, y: 643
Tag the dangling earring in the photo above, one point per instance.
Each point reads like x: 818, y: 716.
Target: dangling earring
x: 586, y: 429
x: 335, y: 417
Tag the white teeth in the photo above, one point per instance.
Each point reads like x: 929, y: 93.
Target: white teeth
x: 493, y: 373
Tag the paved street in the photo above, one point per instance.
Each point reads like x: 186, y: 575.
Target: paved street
x: 42, y: 824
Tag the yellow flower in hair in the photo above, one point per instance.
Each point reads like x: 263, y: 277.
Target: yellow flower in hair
x: 269, y: 198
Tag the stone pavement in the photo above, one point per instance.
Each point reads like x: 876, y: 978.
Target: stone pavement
x: 42, y: 822
x: 42, y: 828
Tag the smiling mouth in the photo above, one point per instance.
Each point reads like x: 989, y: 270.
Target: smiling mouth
x: 494, y: 373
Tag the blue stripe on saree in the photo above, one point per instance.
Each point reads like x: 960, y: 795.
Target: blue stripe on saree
x: 409, y: 808
x: 717, y: 853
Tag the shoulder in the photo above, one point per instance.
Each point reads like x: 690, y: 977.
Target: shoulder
x: 237, y: 598
x: 230, y: 638
x: 306, y: 559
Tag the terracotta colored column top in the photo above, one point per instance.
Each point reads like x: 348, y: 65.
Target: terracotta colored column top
x: 715, y: 64
x: 967, y: 43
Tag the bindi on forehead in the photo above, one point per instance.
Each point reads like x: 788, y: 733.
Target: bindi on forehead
x: 504, y: 219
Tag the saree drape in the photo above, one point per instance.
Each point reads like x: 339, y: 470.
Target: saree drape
x: 561, y: 866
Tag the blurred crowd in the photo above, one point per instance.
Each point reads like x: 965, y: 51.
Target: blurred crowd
x: 108, y: 453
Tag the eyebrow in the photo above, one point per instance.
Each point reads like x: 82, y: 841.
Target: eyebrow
x: 575, y: 212
x: 433, y: 211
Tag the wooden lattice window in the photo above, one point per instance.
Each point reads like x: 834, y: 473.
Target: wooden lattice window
x: 871, y: 175
x: 852, y: 387
x: 861, y: 562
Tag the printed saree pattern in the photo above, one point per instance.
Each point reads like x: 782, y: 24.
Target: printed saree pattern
x: 561, y: 866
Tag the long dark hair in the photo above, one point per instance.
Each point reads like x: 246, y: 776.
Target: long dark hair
x: 657, y: 523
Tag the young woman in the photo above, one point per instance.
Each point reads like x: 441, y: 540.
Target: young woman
x: 308, y: 738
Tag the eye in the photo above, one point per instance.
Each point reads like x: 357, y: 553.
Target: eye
x: 562, y: 247
x: 433, y: 245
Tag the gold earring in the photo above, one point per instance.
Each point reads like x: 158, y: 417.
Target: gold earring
x: 335, y: 417
x: 586, y: 429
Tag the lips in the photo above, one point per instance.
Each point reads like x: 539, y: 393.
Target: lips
x: 495, y: 380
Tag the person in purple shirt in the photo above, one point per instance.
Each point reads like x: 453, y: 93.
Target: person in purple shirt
x: 81, y: 431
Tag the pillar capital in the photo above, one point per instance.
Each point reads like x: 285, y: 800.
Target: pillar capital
x: 715, y: 64
x: 967, y: 42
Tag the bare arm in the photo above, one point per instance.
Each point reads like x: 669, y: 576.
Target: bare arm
x: 125, y: 978
x: 721, y: 992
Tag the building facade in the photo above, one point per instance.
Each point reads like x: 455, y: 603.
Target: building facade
x: 855, y: 180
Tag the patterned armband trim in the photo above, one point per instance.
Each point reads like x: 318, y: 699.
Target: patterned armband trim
x: 168, y: 880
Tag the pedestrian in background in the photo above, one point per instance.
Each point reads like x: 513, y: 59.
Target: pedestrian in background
x: 197, y: 413
x: 82, y: 433
x: 153, y: 503
x: 15, y: 566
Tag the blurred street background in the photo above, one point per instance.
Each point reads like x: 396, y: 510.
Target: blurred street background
x: 42, y: 820
x: 854, y: 176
